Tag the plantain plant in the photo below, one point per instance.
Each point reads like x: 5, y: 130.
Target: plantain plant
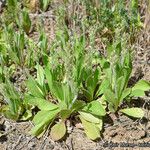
x: 61, y: 105
x: 14, y: 107
x: 118, y: 71
x: 17, y: 48
x: 59, y: 92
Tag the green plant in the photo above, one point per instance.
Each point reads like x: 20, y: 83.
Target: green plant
x: 11, y: 13
x: 113, y: 18
x: 25, y: 21
x: 118, y: 71
x: 73, y: 80
x: 69, y: 91
x: 44, y: 4
x: 13, y: 108
x: 17, y: 47
x: 64, y: 105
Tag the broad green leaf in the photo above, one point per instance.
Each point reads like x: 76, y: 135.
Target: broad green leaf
x: 40, y: 75
x: 58, y: 91
x: 78, y: 105
x: 125, y: 93
x: 91, y: 130
x: 39, y: 129
x: 68, y: 95
x: 12, y: 3
x: 137, y: 93
x: 91, y: 84
x: 13, y: 56
x: 119, y: 86
x: 104, y: 85
x: 142, y: 85
x: 49, y: 78
x: 110, y: 98
x: 58, y: 131
x: 111, y: 107
x: 8, y: 114
x: 89, y: 117
x: 78, y: 70
x: 64, y: 114
x: 100, y: 124
x: 41, y: 120
x: 34, y: 88
x: 44, y: 115
x: 88, y: 95
x: 95, y: 108
x: 43, y: 44
x: 92, y: 81
x: 127, y: 74
x: 62, y: 105
x: 104, y: 63
x: 41, y: 103
x: 133, y: 112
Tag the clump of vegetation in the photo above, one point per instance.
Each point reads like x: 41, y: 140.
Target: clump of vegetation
x: 70, y: 78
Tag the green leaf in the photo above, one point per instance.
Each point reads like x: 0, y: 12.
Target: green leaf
x: 88, y: 95
x: 91, y: 84
x: 137, y: 93
x: 133, y: 112
x: 40, y: 75
x: 111, y: 107
x: 68, y: 94
x: 91, y: 129
x: 26, y: 115
x: 49, y: 77
x: 100, y: 124
x: 13, y: 100
x: 34, y: 88
x: 104, y: 85
x: 41, y: 120
x: 78, y: 105
x: 64, y: 114
x: 8, y: 91
x: 141, y: 85
x: 44, y: 4
x: 110, y: 98
x: 26, y: 22
x: 58, y: 91
x: 40, y: 103
x: 89, y: 117
x: 58, y: 131
x: 6, y: 111
x: 95, y: 108
x: 120, y: 85
x: 125, y: 93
